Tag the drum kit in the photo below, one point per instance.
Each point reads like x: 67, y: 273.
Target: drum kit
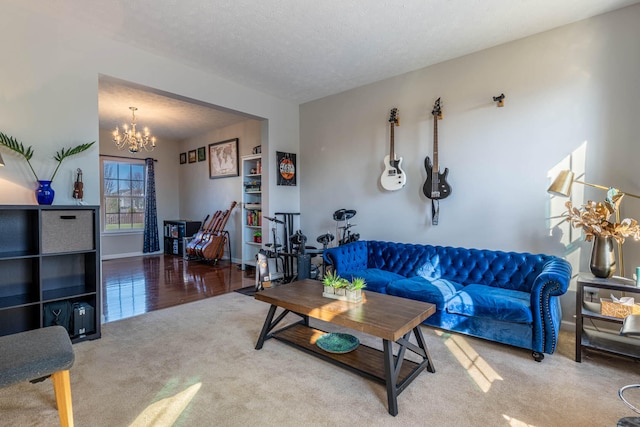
x: 296, y: 249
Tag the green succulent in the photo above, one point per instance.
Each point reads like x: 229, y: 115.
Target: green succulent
x: 334, y: 280
x: 357, y: 283
x: 14, y: 145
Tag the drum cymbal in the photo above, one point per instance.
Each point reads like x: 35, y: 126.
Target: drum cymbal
x: 273, y: 219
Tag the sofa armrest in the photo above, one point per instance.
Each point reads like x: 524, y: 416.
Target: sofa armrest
x: 552, y: 282
x: 349, y: 257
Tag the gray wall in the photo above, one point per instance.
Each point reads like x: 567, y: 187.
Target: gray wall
x: 185, y: 191
x: 200, y: 195
x: 572, y: 101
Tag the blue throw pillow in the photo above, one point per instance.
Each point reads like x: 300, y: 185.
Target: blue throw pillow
x: 430, y: 268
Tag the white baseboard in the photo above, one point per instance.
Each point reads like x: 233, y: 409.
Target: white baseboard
x: 129, y: 255
x: 568, y: 326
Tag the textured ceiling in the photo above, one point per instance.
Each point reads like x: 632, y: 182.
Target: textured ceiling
x: 169, y: 117
x: 302, y: 50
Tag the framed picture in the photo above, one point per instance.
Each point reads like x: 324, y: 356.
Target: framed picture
x: 286, y: 168
x: 192, y: 156
x: 183, y: 158
x: 202, y: 154
x: 223, y: 159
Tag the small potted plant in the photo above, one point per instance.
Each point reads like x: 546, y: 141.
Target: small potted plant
x: 340, y: 287
x: 330, y: 280
x: 257, y: 237
x: 354, y: 289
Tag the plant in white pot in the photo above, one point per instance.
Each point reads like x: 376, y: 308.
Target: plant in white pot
x: 330, y: 280
x: 340, y: 286
x: 354, y: 289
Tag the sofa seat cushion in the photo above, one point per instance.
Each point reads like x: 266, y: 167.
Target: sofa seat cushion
x: 434, y: 291
x: 489, y: 302
x: 377, y: 280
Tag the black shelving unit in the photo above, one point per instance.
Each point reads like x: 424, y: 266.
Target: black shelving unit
x: 48, y: 254
x: 596, y: 331
x: 174, y: 233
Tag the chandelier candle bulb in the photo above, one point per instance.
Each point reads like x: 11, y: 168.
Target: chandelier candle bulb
x: 132, y: 139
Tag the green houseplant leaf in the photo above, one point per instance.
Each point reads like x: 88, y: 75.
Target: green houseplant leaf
x: 13, y: 144
x: 16, y: 146
x: 357, y: 283
x: 63, y: 154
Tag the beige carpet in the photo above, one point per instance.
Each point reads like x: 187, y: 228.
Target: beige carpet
x: 195, y: 365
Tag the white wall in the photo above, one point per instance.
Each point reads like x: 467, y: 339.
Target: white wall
x: 565, y: 87
x: 49, y: 99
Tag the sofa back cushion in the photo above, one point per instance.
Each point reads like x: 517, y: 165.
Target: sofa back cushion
x: 509, y: 270
x: 352, y: 257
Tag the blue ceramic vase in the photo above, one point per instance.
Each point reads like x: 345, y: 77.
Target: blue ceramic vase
x: 44, y: 193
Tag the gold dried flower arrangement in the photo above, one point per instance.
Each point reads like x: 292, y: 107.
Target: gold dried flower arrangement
x: 593, y: 218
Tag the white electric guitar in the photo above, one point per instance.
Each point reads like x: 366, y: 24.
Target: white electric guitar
x: 393, y: 178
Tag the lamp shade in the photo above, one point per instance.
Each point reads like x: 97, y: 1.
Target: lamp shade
x: 561, y: 186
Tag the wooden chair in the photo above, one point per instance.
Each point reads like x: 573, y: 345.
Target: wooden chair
x: 34, y: 356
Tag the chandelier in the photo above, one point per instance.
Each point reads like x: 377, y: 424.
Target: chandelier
x: 132, y: 139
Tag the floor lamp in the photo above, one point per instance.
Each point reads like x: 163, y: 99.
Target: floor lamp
x: 561, y: 186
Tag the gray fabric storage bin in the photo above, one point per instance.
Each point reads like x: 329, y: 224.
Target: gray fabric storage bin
x: 67, y: 231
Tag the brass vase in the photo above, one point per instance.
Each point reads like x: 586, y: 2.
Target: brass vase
x: 603, y: 261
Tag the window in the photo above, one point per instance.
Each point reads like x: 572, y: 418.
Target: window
x: 123, y: 195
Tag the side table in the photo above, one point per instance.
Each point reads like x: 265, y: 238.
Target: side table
x: 600, y: 338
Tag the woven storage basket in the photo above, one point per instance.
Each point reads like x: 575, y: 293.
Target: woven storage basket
x: 615, y: 309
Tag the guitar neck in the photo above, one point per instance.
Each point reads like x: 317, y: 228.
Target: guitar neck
x: 392, y: 154
x: 436, y: 168
x: 223, y: 220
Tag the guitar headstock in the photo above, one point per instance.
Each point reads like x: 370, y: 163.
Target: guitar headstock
x: 393, y: 117
x: 437, y: 110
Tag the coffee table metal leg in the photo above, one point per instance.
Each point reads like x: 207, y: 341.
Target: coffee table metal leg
x: 391, y: 377
x: 423, y: 345
x: 269, y: 324
x: 266, y: 327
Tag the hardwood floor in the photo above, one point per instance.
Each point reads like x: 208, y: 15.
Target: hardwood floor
x: 136, y: 285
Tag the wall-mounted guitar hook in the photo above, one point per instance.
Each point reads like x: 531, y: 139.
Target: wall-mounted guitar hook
x: 499, y: 99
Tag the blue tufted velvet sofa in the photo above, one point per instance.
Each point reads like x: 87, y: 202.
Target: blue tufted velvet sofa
x: 508, y: 297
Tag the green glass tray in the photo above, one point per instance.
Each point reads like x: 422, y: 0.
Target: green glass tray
x: 337, y: 342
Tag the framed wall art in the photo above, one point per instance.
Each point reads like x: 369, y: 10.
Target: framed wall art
x: 202, y: 154
x: 286, y: 168
x: 183, y: 158
x: 192, y: 156
x: 224, y: 159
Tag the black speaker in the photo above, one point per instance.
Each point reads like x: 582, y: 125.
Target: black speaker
x: 83, y: 319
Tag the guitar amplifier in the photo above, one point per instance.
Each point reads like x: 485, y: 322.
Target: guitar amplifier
x: 83, y: 319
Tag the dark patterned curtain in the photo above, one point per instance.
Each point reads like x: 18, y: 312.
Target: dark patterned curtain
x: 151, y: 241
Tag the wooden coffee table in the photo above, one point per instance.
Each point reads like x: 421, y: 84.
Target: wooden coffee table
x: 391, y: 318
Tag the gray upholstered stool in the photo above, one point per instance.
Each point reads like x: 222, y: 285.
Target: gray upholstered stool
x: 630, y: 328
x: 35, y: 355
